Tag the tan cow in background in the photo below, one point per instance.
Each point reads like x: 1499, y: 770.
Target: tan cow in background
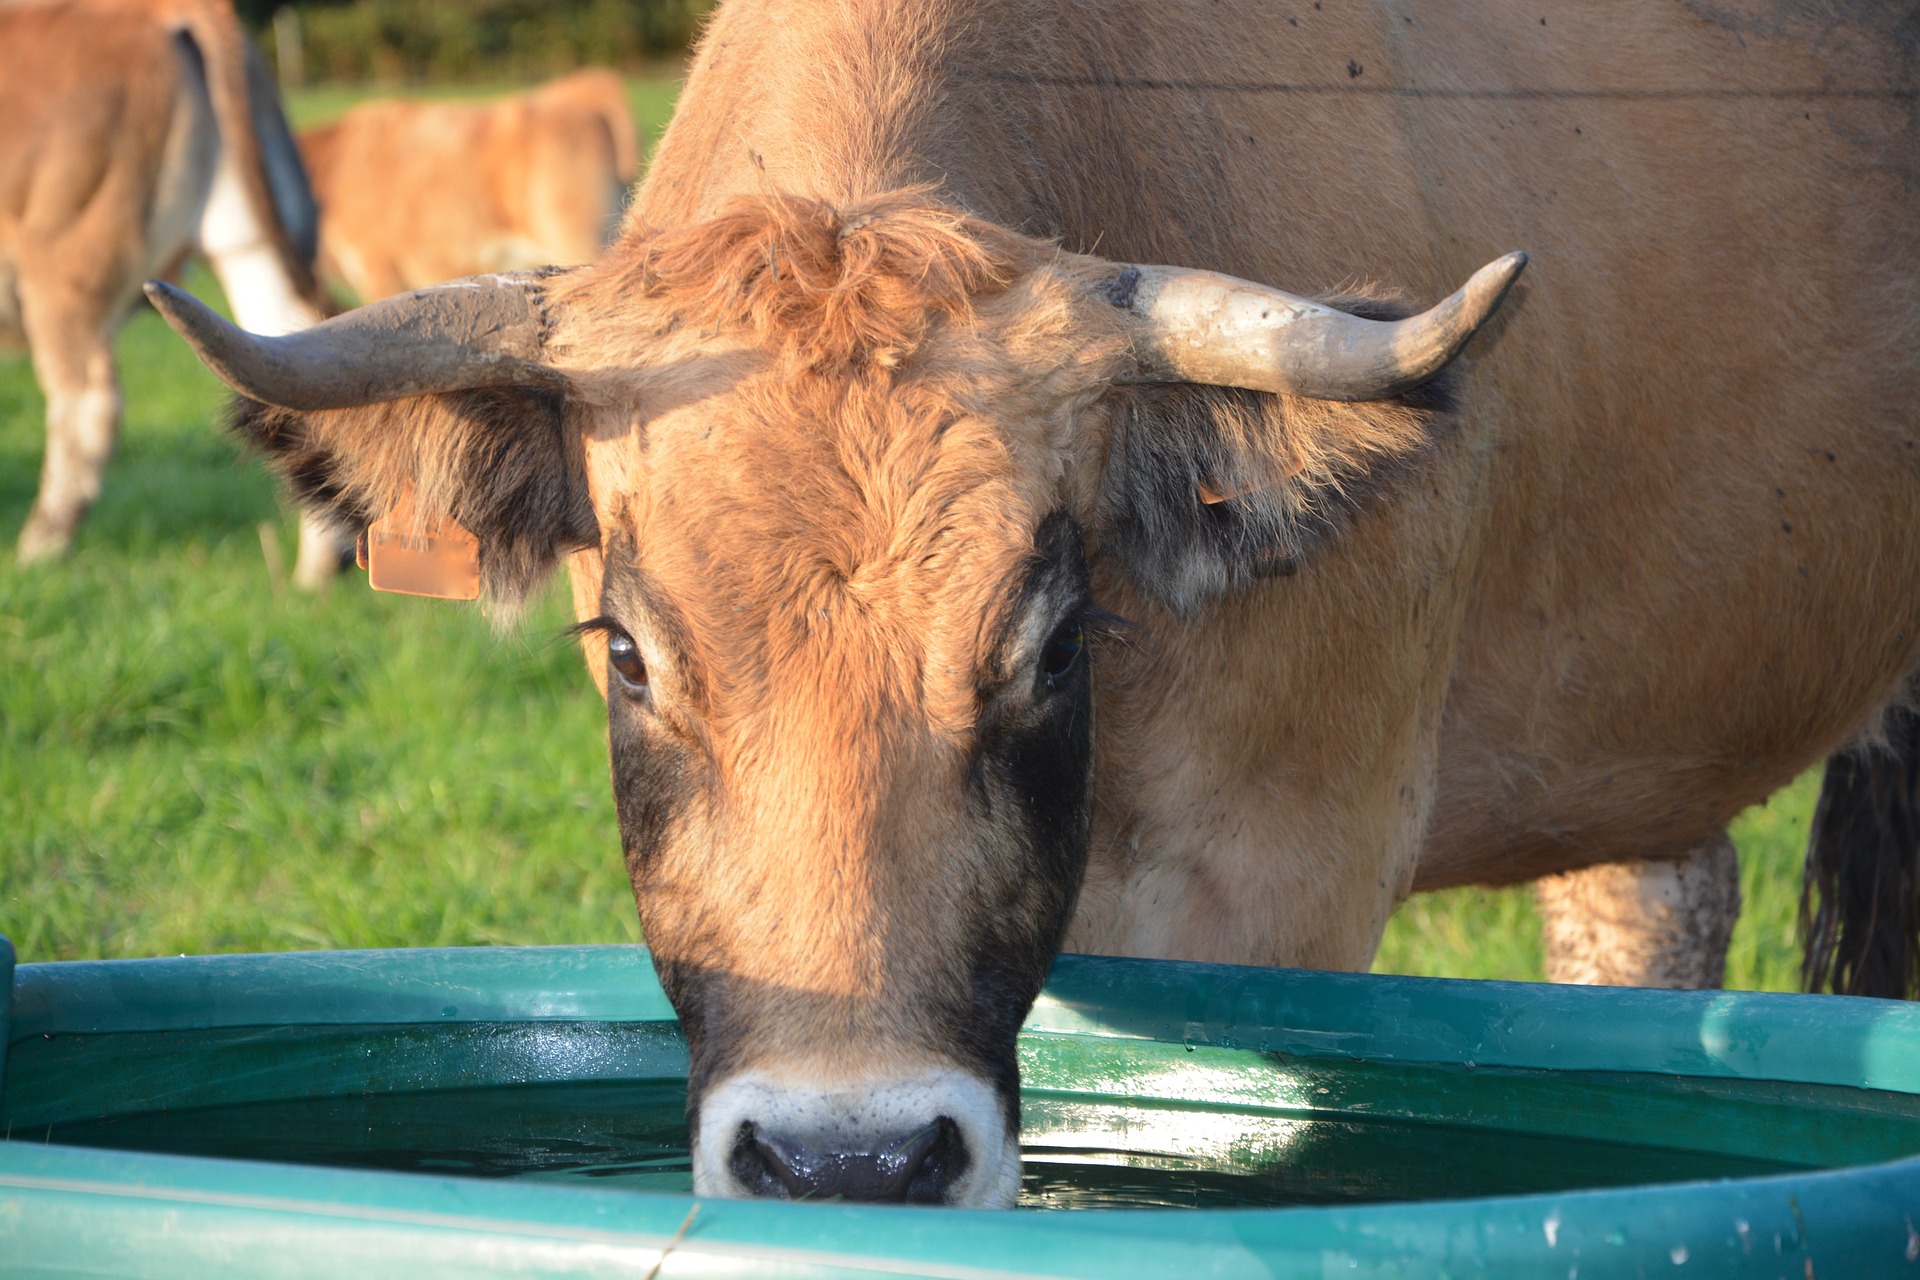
x: 414, y: 193
x: 131, y: 133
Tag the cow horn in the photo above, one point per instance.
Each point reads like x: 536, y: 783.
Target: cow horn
x: 1198, y: 326
x: 485, y: 331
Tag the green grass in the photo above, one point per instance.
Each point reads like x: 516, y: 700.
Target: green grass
x: 193, y: 759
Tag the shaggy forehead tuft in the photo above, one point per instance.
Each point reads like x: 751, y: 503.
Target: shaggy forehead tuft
x: 833, y: 289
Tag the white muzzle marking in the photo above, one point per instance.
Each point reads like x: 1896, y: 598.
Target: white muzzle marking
x: 862, y: 1117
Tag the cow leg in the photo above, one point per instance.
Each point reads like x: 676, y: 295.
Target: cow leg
x: 323, y: 550
x: 1652, y: 923
x: 73, y: 360
x: 243, y: 249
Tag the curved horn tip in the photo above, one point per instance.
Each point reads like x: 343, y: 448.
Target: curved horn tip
x: 223, y: 347
x: 1491, y: 282
x: 165, y: 297
x: 185, y: 314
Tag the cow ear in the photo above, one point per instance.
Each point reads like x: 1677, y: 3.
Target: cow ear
x: 1207, y: 489
x: 506, y: 462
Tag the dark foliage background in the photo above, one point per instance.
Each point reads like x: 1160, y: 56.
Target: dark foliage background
x: 441, y: 41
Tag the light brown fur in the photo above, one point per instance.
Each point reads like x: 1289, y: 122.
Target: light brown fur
x: 1662, y: 558
x: 414, y: 193
x: 1589, y: 635
x: 845, y: 538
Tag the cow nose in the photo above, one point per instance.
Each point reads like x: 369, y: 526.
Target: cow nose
x: 915, y: 1168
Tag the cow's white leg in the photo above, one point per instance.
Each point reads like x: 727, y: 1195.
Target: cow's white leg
x: 240, y: 244
x: 265, y: 299
x: 323, y: 549
x: 74, y: 364
x: 1653, y: 923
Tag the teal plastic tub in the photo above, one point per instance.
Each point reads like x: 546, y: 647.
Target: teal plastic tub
x: 519, y: 1112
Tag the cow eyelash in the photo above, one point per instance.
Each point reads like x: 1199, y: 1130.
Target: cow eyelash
x: 602, y: 625
x: 1111, y: 626
x: 623, y: 655
x: 1064, y: 649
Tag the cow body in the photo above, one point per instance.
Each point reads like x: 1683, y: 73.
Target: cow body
x: 133, y: 132
x: 1670, y: 558
x: 413, y: 193
x: 857, y: 465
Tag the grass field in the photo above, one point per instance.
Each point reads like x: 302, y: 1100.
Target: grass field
x: 195, y: 759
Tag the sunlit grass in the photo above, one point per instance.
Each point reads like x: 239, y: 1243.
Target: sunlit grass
x: 193, y: 758
x: 193, y: 761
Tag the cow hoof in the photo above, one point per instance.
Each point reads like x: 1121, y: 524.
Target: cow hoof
x: 40, y: 543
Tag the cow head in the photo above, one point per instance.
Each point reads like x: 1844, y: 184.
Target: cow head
x: 832, y: 480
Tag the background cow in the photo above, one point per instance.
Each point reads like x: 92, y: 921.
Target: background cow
x: 856, y: 468
x: 131, y: 133
x: 414, y: 193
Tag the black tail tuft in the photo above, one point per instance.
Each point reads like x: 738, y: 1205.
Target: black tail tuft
x: 1860, y: 898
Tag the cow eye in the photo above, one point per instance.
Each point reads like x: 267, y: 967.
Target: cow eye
x: 623, y: 655
x: 1062, y: 651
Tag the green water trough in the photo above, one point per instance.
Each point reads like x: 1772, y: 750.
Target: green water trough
x: 520, y: 1111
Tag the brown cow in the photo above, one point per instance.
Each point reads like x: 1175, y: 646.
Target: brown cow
x: 856, y: 468
x: 414, y: 193
x: 132, y: 132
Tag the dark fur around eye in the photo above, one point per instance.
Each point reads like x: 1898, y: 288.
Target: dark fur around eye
x: 1063, y: 651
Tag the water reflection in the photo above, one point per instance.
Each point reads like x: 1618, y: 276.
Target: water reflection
x: 1080, y: 1153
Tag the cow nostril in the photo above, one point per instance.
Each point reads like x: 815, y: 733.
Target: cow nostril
x: 933, y: 1161
x: 753, y: 1167
x: 916, y: 1168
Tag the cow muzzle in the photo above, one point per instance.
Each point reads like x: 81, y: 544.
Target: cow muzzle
x: 939, y: 1138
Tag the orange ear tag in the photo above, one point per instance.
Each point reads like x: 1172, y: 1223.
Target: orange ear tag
x: 415, y: 557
